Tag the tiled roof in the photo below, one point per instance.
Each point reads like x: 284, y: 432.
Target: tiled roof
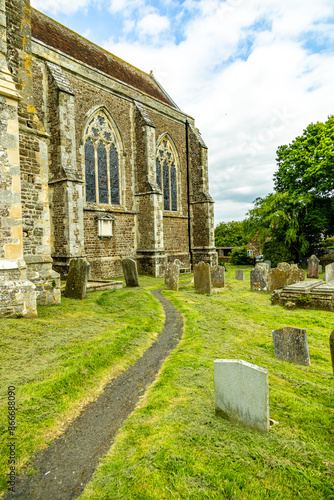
x: 61, y: 38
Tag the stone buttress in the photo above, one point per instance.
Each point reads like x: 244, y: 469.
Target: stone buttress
x: 151, y: 257
x: 200, y: 202
x: 32, y: 158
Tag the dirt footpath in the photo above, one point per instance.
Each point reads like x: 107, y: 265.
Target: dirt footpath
x: 67, y: 465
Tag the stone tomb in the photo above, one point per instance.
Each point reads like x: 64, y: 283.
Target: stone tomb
x: 172, y: 276
x: 76, y: 283
x: 202, y: 278
x: 313, y: 267
x: 309, y: 294
x: 240, y: 274
x: 259, y: 278
x: 129, y: 267
x: 283, y: 265
x: 284, y: 275
x: 290, y: 344
x: 242, y: 392
x: 218, y: 276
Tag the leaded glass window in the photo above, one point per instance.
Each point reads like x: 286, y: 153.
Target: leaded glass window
x: 166, y: 174
x: 101, y: 161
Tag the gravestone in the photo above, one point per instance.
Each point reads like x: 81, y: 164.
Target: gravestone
x: 331, y: 346
x: 218, y: 276
x: 259, y: 278
x: 268, y: 262
x: 240, y: 274
x: 202, y: 278
x: 294, y: 275
x: 283, y: 265
x: 320, y: 268
x: 242, y: 392
x: 172, y: 277
x: 313, y: 267
x: 329, y: 272
x: 290, y: 344
x: 129, y: 267
x: 76, y: 283
x: 276, y: 279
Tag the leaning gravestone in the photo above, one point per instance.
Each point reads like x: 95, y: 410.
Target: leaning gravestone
x: 259, y: 278
x: 202, y: 278
x: 329, y: 272
x: 218, y: 276
x: 129, y: 267
x: 331, y: 346
x: 242, y: 392
x: 294, y: 275
x: 240, y: 274
x: 313, y: 267
x: 172, y: 277
x: 290, y: 344
x: 76, y: 283
x: 276, y: 279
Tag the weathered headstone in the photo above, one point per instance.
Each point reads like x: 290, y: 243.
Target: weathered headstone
x: 129, y: 267
x: 284, y: 266
x: 268, y: 262
x: 320, y: 268
x: 202, y: 278
x: 313, y: 267
x: 331, y: 346
x: 76, y: 283
x: 294, y: 275
x: 276, y: 279
x: 218, y: 276
x: 242, y: 392
x: 290, y: 344
x: 239, y: 274
x: 259, y: 278
x: 329, y: 272
x: 172, y: 277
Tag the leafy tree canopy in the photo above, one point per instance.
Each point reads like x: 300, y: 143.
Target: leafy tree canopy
x: 231, y: 234
x: 301, y: 211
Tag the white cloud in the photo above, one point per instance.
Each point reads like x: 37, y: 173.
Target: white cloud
x: 152, y: 25
x: 63, y: 6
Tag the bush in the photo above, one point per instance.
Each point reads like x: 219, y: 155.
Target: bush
x: 240, y: 256
x: 277, y: 251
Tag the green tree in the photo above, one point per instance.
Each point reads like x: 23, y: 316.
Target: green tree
x: 301, y: 211
x: 231, y: 234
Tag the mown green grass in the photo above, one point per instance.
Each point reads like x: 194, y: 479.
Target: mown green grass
x: 174, y: 446
x: 62, y: 359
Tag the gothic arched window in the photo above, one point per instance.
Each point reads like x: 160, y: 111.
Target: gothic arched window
x: 101, y: 161
x: 166, y: 174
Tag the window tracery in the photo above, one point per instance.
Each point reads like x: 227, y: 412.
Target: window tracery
x: 101, y: 161
x: 166, y: 174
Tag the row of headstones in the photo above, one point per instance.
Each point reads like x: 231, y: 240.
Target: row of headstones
x: 206, y: 277
x: 242, y: 389
x: 267, y: 280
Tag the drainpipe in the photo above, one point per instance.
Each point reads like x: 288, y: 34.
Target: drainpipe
x: 188, y: 190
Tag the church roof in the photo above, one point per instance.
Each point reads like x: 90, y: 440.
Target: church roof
x: 63, y: 39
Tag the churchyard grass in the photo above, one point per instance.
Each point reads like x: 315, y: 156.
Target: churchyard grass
x: 61, y: 360
x: 173, y: 446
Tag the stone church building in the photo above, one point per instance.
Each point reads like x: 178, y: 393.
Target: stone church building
x: 96, y: 161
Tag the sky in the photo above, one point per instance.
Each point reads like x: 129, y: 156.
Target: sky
x: 253, y: 73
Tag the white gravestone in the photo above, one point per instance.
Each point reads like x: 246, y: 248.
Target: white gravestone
x: 242, y: 392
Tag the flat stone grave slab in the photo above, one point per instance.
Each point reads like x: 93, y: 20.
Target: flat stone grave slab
x: 315, y: 294
x: 242, y: 392
x: 290, y: 344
